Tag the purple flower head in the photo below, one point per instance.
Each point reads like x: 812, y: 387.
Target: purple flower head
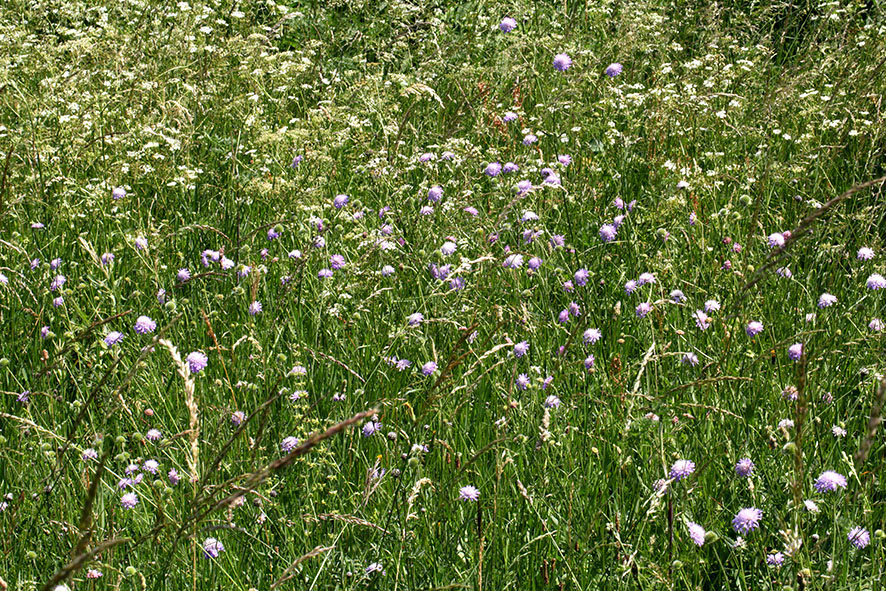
x: 784, y: 273
x: 212, y: 548
x: 524, y: 187
x: 57, y: 302
x: 613, y: 70
x: 608, y: 232
x: 859, y: 537
x: 472, y: 210
x: 403, y: 364
x: 690, y: 359
x: 744, y: 467
x: 337, y: 261
x: 876, y: 281
x: 552, y: 402
x: 427, y: 157
x: 507, y: 24
x: 711, y: 306
x: 581, y: 277
x: 568, y: 286
x: 563, y: 316
x: 529, y: 139
x: 534, y: 263
x: 522, y: 381
x: 591, y: 336
x: 552, y: 179
x: 296, y: 161
x: 681, y: 469
x: 153, y: 435
x: 865, y: 253
x: 415, y: 319
x: 435, y: 193
x: 238, y: 417
x: 754, y: 328
x: 107, y: 258
x: 876, y: 325
x: 469, y: 493
x: 645, y: 278
x: 118, y: 193
x: 829, y: 481
x: 448, y: 248
x: 340, y: 201
x: 129, y: 500
x: 510, y: 167
x: 35, y: 263
x: 826, y: 300
x: 776, y: 240
x: 44, y: 332
x: 696, y: 533
x: 574, y: 309
x: 144, y: 325
x: 747, y: 520
x: 493, y: 169
x: 370, y: 428
x: 630, y: 287
x: 509, y: 116
x: 429, y: 368
x: 173, y: 476
x: 643, y: 309
x: 57, y: 282
x: 702, y: 320
x: 152, y: 466
x: 521, y: 348
x: 289, y: 443
x: 255, y: 308
x: 795, y: 351
x: 113, y: 338
x: 589, y: 362
x: 513, y: 261
x: 197, y: 361
x: 564, y: 159
x: 324, y: 273
x: 775, y: 559
x: 183, y: 275
x: 562, y: 62
x: 677, y: 296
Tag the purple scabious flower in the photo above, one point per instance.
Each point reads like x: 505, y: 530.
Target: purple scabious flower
x: 677, y: 296
x: 581, y: 277
x: 613, y: 70
x: 775, y: 559
x: 129, y: 500
x: 57, y: 302
x: 690, y: 359
x: 340, y: 201
x: 645, y: 278
x: 711, y: 306
x: 152, y: 466
x: 472, y: 210
x: 212, y: 548
x: 469, y: 493
x: 522, y: 381
x: 754, y: 328
x: 784, y: 273
x: 426, y: 210
x: 448, y: 248
x: 702, y: 320
x: 493, y: 169
x: 427, y: 157
x: 513, y: 261
x: 643, y: 309
x: 107, y: 258
x: 795, y: 351
x: 507, y: 24
x: 534, y: 263
x: 563, y: 317
x: 859, y: 537
x: 865, y: 253
x: 255, y: 308
x: 510, y: 167
x: 183, y: 275
x: 524, y: 186
x: 789, y: 393
x: 876, y: 281
x: 113, y: 338
x: 747, y: 520
x: 509, y: 116
x: 744, y: 467
x: 826, y: 300
x: 324, y: 273
x: 631, y: 287
x: 876, y: 325
x: 552, y: 402
x: 589, y: 362
x: 296, y: 161
x: 144, y: 325
x: 118, y: 193
x: 173, y: 476
x: 557, y: 241
x: 161, y: 295
x: 89, y: 454
x: 141, y: 243
x: 681, y: 469
x: 429, y: 368
x: 591, y: 336
x: 44, y: 332
x: 552, y: 179
x: 197, y: 361
x: 776, y: 240
x: 829, y: 481
x: 521, y: 348
x: 696, y: 533
x: 153, y: 435
x: 289, y: 443
x: 564, y: 159
x: 403, y: 364
x: 608, y: 232
x: 226, y: 263
x: 337, y: 261
x: 562, y: 62
x: 574, y: 309
x: 530, y: 139
x: 435, y: 193
x: 568, y: 286
x: 238, y: 417
x: 57, y: 282
x: 370, y: 428
x: 415, y: 319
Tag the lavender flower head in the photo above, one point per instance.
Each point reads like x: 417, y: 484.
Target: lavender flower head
x: 865, y: 253
x: 677, y: 296
x: 608, y: 232
x: 591, y: 336
x: 696, y: 533
x: 507, y: 24
x: 795, y: 351
x: 581, y: 277
x: 113, y: 338
x: 509, y: 116
x: 681, y: 469
x: 562, y: 62
x: 197, y: 361
x: 255, y: 308
x: 415, y: 319
x: 144, y: 325
x: 429, y: 368
x: 493, y: 169
x: 340, y: 201
x: 829, y: 481
x: 521, y: 348
x: 747, y: 520
x: 118, y: 193
x: 552, y: 402
x: 469, y: 493
x: 212, y: 548
x: 289, y: 444
x: 859, y: 537
x: 826, y: 300
x: 613, y: 70
x: 775, y: 559
x: 776, y: 240
x: 183, y: 275
x: 522, y: 381
x: 129, y: 500
x: 754, y: 328
x: 643, y: 309
x: 876, y: 281
x: 744, y: 467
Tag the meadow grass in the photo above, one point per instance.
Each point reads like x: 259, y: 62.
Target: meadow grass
x: 272, y: 318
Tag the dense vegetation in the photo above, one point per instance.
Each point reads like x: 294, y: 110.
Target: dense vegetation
x: 410, y: 295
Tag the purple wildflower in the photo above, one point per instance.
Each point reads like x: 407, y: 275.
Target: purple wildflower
x: 795, y: 351
x: 521, y: 348
x: 696, y: 533
x: 681, y: 469
x: 859, y: 537
x: 129, y: 500
x: 522, y: 381
x: 289, y: 443
x: 144, y: 325
x: 826, y: 300
x: 429, y: 368
x: 562, y: 62
x: 744, y: 467
x: 865, y: 253
x: 754, y: 328
x: 747, y: 520
x: 113, y: 338
x: 775, y: 559
x: 876, y: 281
x: 776, y: 240
x: 197, y: 361
x: 469, y: 493
x: 255, y: 308
x: 493, y: 169
x: 435, y: 193
x: 183, y: 275
x: 608, y: 232
x: 829, y: 481
x: 507, y: 24
x: 581, y: 277
x: 212, y: 548
x: 613, y: 70
x: 340, y: 201
x: 591, y: 336
x: 702, y: 320
x: 643, y: 309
